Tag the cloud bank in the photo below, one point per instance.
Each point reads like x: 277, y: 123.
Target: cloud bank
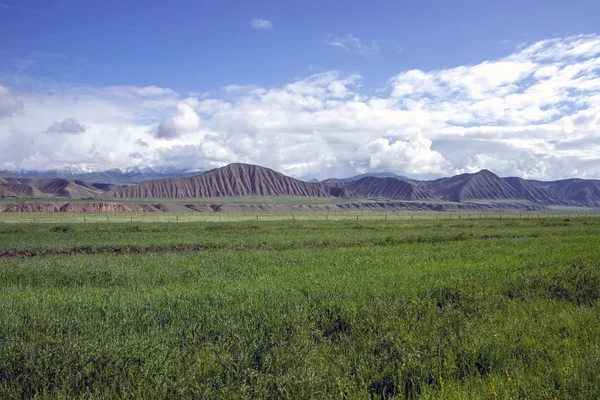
x: 534, y: 113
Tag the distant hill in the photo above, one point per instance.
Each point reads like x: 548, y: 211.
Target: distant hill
x: 376, y: 175
x: 483, y: 185
x: 46, y: 188
x: 239, y: 180
x: 537, y: 193
x: 371, y: 174
x: 232, y: 180
x: 388, y: 188
x: 583, y: 191
x: 124, y: 176
x: 17, y: 189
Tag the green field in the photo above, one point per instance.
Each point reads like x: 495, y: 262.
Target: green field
x: 330, y: 309
x: 139, y: 217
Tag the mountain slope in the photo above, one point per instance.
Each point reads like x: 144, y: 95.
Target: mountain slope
x: 133, y: 175
x: 20, y: 190
x: 239, y: 180
x: 51, y: 188
x: 63, y: 188
x: 531, y: 191
x: 483, y: 185
x: 584, y: 192
x: 389, y: 188
x: 232, y: 180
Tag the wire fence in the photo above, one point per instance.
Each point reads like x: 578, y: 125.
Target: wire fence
x: 122, y: 217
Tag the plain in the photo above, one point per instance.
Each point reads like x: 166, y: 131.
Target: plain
x: 482, y: 308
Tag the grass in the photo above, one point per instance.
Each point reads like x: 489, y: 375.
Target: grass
x: 303, y: 309
x: 77, y: 217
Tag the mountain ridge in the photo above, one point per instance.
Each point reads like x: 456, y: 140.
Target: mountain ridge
x: 242, y: 180
x: 233, y: 180
x: 118, y: 176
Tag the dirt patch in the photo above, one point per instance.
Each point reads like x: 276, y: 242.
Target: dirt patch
x: 117, y: 250
x: 308, y: 245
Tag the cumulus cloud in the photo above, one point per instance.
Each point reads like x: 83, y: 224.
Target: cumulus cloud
x: 184, y: 121
x: 9, y: 104
x: 413, y: 156
x: 262, y: 24
x: 349, y: 42
x: 69, y: 126
x: 534, y: 113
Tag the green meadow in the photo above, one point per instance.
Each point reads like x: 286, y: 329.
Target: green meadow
x: 300, y: 309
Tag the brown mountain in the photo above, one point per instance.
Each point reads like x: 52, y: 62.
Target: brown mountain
x: 483, y: 185
x: 531, y: 191
x: 41, y: 188
x: 388, y: 188
x: 232, y: 180
x: 63, y: 188
x: 238, y: 180
x: 14, y: 189
x: 582, y: 191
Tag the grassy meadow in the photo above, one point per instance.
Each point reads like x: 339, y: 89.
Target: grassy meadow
x: 297, y: 309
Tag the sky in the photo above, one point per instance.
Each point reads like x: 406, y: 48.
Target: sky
x: 310, y: 88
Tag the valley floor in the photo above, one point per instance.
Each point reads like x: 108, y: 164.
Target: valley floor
x: 423, y: 308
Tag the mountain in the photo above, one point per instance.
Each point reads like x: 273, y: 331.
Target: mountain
x: 232, y: 180
x: 370, y: 174
x: 15, y: 189
x: 534, y: 192
x: 131, y: 175
x: 47, y: 188
x: 388, y: 188
x: 483, y: 185
x: 483, y: 188
x: 583, y: 191
x: 376, y: 175
x: 63, y: 188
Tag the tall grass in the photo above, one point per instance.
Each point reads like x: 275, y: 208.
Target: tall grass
x: 477, y: 309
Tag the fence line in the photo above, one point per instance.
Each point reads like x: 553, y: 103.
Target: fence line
x: 67, y: 217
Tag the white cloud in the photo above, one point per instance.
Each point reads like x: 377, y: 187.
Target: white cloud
x: 184, y: 121
x: 413, y: 156
x: 534, y: 113
x: 9, y: 105
x: 349, y: 42
x: 262, y: 24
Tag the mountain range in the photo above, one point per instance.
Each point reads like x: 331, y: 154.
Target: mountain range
x: 117, y: 176
x: 240, y: 180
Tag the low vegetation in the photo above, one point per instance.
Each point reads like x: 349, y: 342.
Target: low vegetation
x: 301, y: 309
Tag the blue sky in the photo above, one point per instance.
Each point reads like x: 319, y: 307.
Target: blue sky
x: 205, y: 59
x: 204, y: 45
